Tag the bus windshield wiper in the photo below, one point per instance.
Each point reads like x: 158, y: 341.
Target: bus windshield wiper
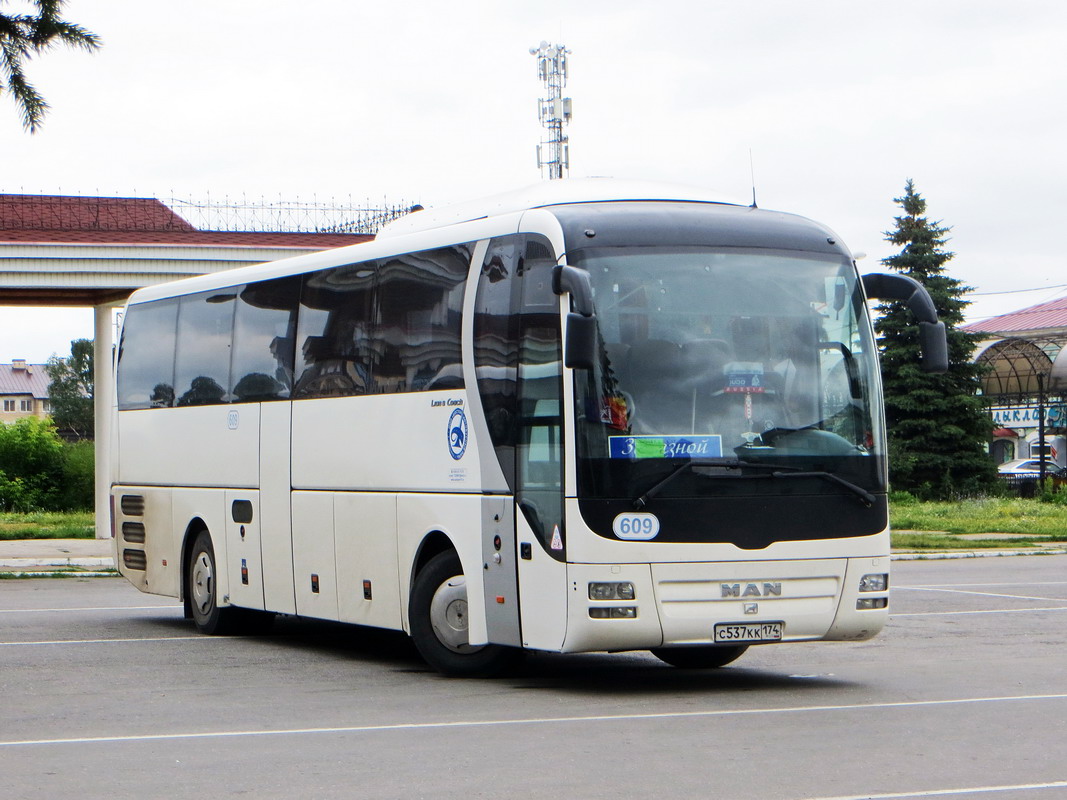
x: 772, y: 471
x: 729, y: 463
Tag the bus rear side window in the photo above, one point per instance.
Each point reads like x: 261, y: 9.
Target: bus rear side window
x: 264, y: 333
x: 202, y: 365
x: 146, y: 356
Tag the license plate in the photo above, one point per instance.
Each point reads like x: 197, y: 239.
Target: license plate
x: 749, y: 632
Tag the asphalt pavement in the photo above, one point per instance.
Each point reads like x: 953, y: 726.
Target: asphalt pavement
x: 97, y: 556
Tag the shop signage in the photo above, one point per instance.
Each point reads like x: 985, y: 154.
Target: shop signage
x: 1026, y: 416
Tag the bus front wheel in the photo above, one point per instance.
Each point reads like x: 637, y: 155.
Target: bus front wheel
x: 701, y: 657
x: 439, y: 623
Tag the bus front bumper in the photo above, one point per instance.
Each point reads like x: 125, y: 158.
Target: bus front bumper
x: 641, y: 606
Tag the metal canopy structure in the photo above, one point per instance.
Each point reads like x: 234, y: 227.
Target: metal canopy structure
x: 1026, y: 375
x: 1021, y: 369
x: 95, y: 251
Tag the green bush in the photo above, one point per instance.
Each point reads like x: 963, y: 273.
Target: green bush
x: 77, y: 492
x: 1054, y: 494
x: 31, y: 465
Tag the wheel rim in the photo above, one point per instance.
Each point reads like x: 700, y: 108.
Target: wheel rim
x: 448, y: 615
x: 203, y: 583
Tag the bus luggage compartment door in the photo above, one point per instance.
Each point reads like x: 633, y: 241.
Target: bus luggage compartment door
x: 244, y: 560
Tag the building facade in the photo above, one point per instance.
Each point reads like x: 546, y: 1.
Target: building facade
x: 23, y: 391
x: 1025, y: 353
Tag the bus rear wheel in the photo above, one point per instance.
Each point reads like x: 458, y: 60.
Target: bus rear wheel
x: 439, y: 623
x: 202, y: 589
x: 702, y: 657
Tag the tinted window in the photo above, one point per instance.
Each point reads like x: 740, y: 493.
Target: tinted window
x: 146, y: 355
x: 420, y: 303
x: 496, y: 351
x: 335, y: 333
x: 202, y: 364
x: 264, y: 333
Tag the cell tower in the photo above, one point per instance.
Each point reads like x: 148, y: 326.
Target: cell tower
x: 553, y: 110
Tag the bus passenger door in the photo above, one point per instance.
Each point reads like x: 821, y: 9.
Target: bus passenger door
x: 539, y: 457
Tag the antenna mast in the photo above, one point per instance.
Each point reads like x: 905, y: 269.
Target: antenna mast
x: 553, y: 110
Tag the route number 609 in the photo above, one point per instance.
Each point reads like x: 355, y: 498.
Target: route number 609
x: 636, y: 525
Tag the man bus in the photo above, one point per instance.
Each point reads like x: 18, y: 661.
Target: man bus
x: 582, y: 417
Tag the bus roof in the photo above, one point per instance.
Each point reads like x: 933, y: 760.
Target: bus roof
x: 550, y: 193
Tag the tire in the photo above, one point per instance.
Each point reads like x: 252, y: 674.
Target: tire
x: 202, y: 590
x: 709, y: 656
x: 438, y: 620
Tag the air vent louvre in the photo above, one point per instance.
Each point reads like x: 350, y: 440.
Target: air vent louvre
x: 132, y: 505
x: 134, y: 559
x: 133, y: 532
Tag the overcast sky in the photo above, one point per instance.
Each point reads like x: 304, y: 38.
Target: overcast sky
x: 838, y: 102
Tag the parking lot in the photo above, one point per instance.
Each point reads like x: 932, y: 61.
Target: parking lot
x: 109, y: 693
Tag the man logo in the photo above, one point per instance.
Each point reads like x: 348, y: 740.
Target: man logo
x: 751, y: 590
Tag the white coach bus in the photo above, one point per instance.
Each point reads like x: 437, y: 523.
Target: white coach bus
x: 582, y: 417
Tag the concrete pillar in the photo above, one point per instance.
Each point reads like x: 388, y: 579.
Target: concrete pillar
x: 103, y: 370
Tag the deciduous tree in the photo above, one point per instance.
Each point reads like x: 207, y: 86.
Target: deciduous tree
x: 71, y: 389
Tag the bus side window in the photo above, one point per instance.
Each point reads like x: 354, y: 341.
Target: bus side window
x: 418, y: 309
x: 264, y: 335
x: 335, y: 350
x: 146, y: 355
x: 202, y: 363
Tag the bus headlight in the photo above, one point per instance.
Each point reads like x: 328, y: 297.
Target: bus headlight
x: 874, y: 583
x: 611, y: 591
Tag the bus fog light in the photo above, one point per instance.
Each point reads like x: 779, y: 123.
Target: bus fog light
x: 611, y: 591
x: 868, y: 603
x: 874, y: 583
x: 613, y: 612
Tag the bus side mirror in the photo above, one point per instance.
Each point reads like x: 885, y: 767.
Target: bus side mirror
x: 932, y: 337
x: 580, y: 352
x: 933, y: 342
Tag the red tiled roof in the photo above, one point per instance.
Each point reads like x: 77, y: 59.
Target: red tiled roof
x: 48, y: 219
x: 1051, y: 314
x: 54, y: 213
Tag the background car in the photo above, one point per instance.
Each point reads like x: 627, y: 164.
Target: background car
x: 1028, y: 467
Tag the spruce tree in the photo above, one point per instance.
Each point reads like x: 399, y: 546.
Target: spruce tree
x: 938, y: 425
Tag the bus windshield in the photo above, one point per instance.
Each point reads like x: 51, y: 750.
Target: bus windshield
x: 741, y: 362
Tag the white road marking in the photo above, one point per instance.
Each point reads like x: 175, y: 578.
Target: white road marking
x: 409, y: 726
x: 955, y: 585
x: 948, y: 792
x: 86, y: 608
x: 981, y: 594
x: 200, y: 638
x: 984, y: 611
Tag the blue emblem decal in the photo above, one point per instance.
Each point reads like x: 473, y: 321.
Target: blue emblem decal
x: 457, y: 434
